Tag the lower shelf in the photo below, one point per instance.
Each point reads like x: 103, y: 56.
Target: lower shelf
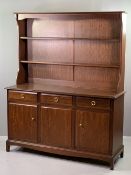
x: 68, y: 152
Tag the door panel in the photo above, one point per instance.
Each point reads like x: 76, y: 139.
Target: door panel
x: 23, y: 122
x: 56, y: 127
x: 92, y: 131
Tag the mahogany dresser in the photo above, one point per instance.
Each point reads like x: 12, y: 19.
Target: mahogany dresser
x: 69, y: 94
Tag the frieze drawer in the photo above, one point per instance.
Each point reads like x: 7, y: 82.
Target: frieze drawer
x: 22, y: 96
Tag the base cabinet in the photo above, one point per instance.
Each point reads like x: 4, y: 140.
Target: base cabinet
x: 66, y: 125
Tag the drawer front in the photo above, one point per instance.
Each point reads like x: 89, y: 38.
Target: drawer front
x: 22, y: 96
x: 56, y: 99
x: 93, y: 102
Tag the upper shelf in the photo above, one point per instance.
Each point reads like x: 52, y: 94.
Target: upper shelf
x: 71, y: 64
x: 68, y: 38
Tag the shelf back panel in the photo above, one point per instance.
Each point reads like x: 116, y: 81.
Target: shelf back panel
x: 54, y: 72
x: 97, y: 78
x: 97, y: 52
x: 79, y: 26
x: 98, y: 26
x: 85, y: 77
x: 50, y: 50
x: 50, y: 27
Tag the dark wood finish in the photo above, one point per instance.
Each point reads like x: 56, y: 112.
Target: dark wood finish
x: 120, y: 86
x: 56, y: 72
x: 98, y: 26
x: 103, y: 79
x: 69, y: 95
x: 50, y: 27
x: 92, y: 131
x: 23, y: 122
x: 67, y: 38
x: 96, y: 103
x: 22, y: 96
x: 22, y: 76
x: 71, y: 64
x: 56, y: 99
x: 7, y: 146
x: 68, y: 152
x: 97, y: 51
x: 37, y: 15
x: 64, y: 87
x: 93, y: 39
x: 51, y: 50
x: 57, y: 123
x: 118, y: 123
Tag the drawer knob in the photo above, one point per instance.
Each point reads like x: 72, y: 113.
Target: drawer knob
x: 32, y: 118
x: 93, y: 103
x: 22, y: 96
x: 56, y: 99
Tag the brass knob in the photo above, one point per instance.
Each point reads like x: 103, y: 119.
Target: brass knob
x: 22, y: 96
x: 93, y: 103
x: 80, y: 124
x: 56, y: 99
x: 83, y: 125
x: 32, y: 118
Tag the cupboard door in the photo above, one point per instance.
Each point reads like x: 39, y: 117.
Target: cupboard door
x: 56, y: 127
x: 92, y: 131
x: 22, y: 122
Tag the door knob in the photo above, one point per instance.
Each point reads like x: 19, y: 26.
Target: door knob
x: 83, y: 125
x: 32, y: 118
x: 80, y: 124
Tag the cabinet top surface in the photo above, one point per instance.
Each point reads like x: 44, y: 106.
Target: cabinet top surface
x: 68, y: 90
